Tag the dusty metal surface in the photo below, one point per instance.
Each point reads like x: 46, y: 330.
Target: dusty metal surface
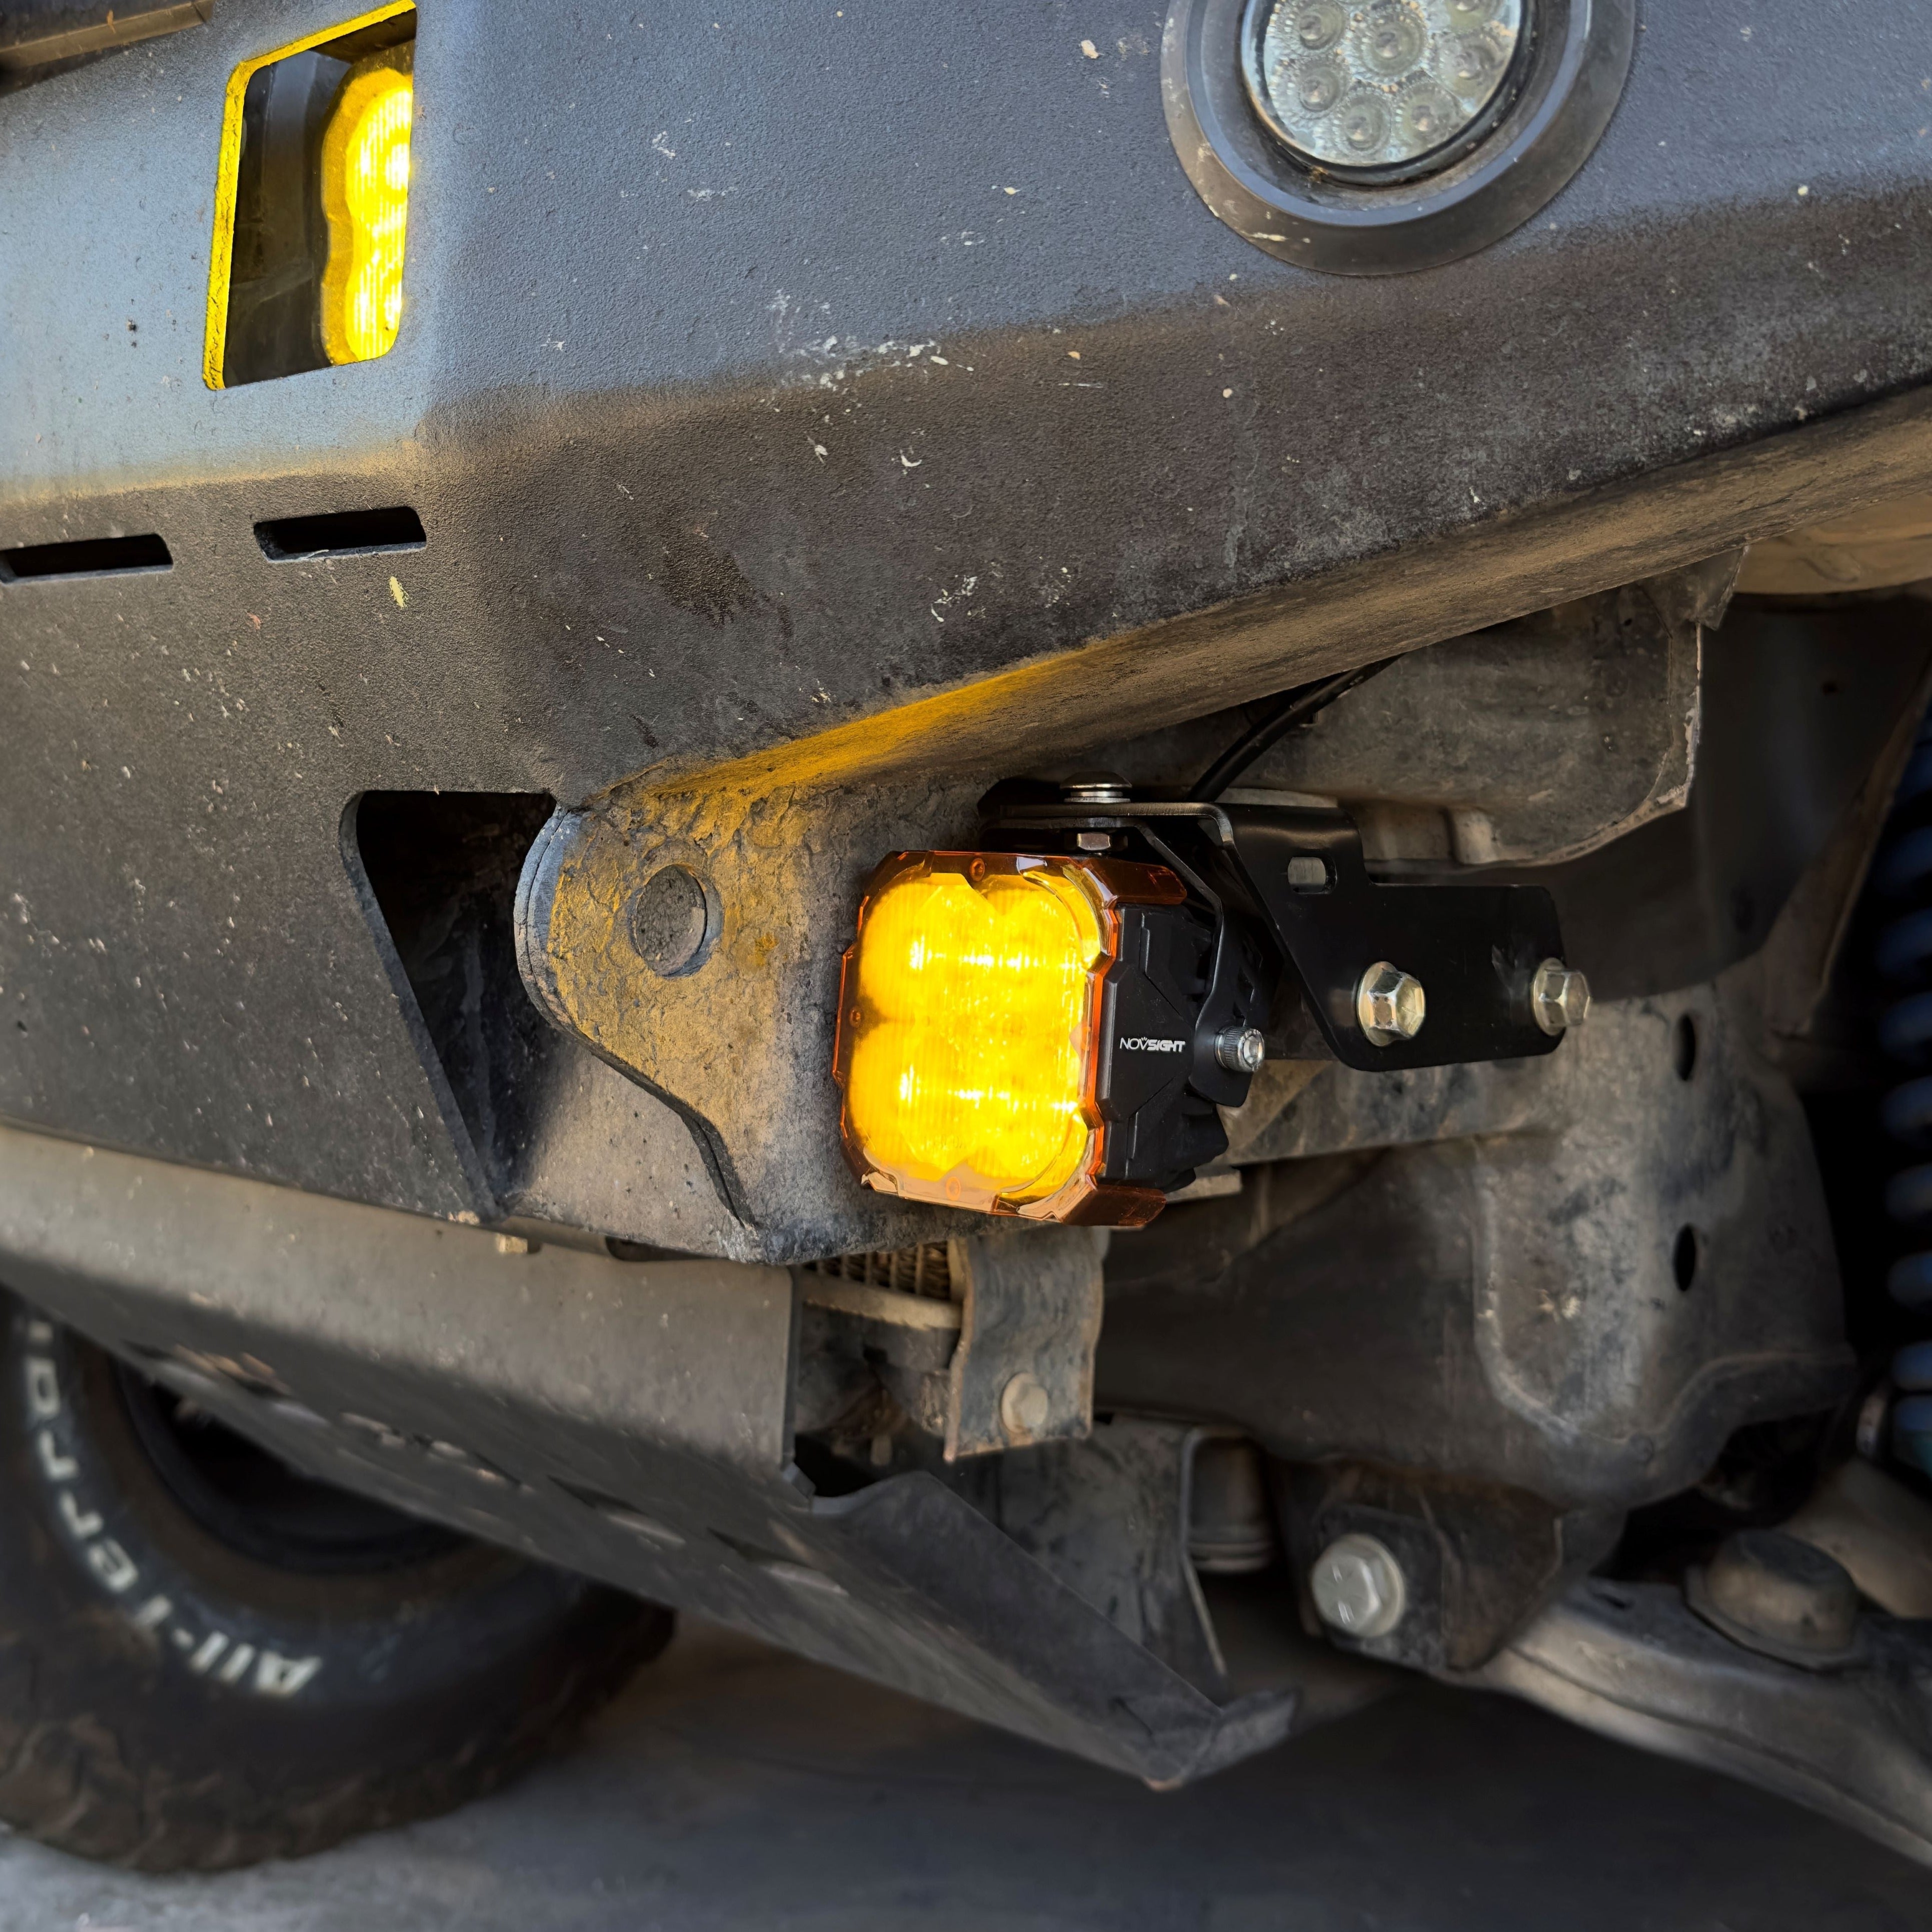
x: 1540, y: 1316
x: 1493, y: 731
x: 631, y: 1422
x: 1478, y: 1560
x: 1806, y: 715
x: 1073, y: 1510
x: 42, y: 33
x: 1880, y: 1529
x: 1031, y: 1308
x: 997, y: 1355
x: 607, y: 406
x: 742, y: 1047
x: 1633, y: 1661
x: 543, y: 1128
x: 1888, y: 544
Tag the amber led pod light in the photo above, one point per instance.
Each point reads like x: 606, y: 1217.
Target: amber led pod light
x: 969, y: 1030
x: 312, y: 202
x: 365, y: 191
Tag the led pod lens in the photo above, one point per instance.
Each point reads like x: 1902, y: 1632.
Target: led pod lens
x: 969, y: 1016
x: 365, y: 192
x: 311, y: 202
x: 1373, y: 85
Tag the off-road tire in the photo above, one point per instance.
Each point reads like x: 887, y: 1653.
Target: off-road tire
x: 174, y: 1695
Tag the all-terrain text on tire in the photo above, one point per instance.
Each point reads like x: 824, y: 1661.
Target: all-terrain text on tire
x: 207, y: 1659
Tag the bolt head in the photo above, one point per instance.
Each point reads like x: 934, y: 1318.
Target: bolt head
x: 1358, y: 1587
x: 674, y: 921
x: 1559, y: 997
x: 1025, y: 1406
x: 1390, y: 1004
x: 1241, y: 1049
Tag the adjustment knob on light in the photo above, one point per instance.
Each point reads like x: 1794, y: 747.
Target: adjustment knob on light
x: 1241, y: 1049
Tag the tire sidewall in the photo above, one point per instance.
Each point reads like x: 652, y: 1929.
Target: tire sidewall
x: 209, y: 1615
x: 165, y: 1698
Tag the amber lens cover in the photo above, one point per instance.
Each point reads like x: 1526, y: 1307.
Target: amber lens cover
x: 968, y: 1023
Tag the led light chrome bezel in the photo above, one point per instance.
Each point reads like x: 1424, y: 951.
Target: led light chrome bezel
x: 1564, y: 81
x: 1255, y: 21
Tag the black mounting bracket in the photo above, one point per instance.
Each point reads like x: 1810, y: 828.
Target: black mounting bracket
x: 1298, y: 875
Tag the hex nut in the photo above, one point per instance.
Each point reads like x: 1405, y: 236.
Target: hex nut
x: 1241, y: 1049
x: 1358, y: 1587
x: 1025, y: 1406
x: 1559, y: 997
x: 1390, y: 1004
x: 675, y: 919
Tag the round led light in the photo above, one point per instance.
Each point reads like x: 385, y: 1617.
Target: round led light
x: 1380, y: 87
x: 1374, y: 137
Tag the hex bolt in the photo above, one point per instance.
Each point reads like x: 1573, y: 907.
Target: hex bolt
x: 1025, y: 1406
x: 1390, y: 1004
x: 1358, y: 1587
x: 1559, y: 997
x: 1241, y: 1049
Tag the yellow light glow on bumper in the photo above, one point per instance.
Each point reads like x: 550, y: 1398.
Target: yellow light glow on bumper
x: 968, y: 1028
x: 365, y: 189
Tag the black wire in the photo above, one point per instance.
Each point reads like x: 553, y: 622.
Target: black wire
x: 1304, y: 701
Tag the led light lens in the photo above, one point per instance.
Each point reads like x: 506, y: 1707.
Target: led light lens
x: 966, y: 1037
x: 365, y: 188
x: 1378, y: 84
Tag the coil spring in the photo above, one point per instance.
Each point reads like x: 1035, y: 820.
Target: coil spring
x: 1902, y: 877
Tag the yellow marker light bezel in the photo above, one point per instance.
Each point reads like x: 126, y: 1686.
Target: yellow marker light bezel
x: 228, y: 171
x: 969, y: 1019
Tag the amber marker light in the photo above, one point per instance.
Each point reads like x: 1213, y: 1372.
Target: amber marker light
x: 365, y: 195
x: 969, y: 1026
x: 312, y: 201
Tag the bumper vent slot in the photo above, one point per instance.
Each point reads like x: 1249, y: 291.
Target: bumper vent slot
x: 342, y: 533
x: 91, y: 556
